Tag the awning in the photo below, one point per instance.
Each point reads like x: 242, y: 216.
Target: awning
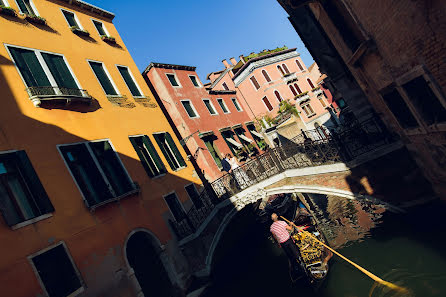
x: 204, y: 134
x: 245, y: 138
x: 257, y: 134
x: 237, y: 126
x: 234, y: 143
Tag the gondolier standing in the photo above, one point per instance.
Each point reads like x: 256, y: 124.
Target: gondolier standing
x: 280, y: 231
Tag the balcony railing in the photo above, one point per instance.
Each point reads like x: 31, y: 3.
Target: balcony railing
x: 40, y: 94
x: 289, y: 76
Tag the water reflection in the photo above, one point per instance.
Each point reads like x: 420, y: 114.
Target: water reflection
x: 405, y: 249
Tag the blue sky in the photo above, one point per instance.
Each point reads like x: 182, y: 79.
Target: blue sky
x: 201, y: 33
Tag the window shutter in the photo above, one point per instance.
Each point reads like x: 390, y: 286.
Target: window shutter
x: 22, y: 6
x: 70, y: 19
x: 99, y: 71
x: 154, y: 154
x: 61, y: 73
x: 129, y: 81
x: 7, y: 209
x: 213, y: 153
x: 175, y: 207
x: 37, y: 190
x: 160, y: 140
x: 29, y: 67
x: 99, y: 27
x: 175, y: 150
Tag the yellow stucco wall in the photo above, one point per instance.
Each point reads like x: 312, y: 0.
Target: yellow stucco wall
x: 95, y: 240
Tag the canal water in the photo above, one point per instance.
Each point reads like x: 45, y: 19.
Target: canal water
x: 406, y: 249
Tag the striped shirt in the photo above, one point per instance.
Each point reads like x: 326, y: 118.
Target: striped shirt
x: 278, y: 229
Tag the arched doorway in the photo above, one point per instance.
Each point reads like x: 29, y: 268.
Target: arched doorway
x: 143, y: 255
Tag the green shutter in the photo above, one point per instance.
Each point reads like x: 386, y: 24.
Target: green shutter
x: 210, y: 147
x: 70, y: 19
x: 105, y: 82
x: 129, y: 80
x: 175, y: 150
x: 154, y: 154
x: 190, y: 111
x: 23, y: 8
x: 100, y: 28
x: 175, y: 207
x: 30, y: 68
x: 32, y: 180
x: 160, y: 140
x: 61, y: 73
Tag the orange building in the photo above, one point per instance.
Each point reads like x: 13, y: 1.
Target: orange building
x: 91, y: 173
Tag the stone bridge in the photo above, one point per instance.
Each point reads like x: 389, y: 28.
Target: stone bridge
x: 366, y: 164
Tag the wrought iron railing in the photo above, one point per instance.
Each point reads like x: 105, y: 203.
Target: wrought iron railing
x: 50, y: 91
x: 311, y: 148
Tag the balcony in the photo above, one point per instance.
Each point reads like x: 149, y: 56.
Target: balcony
x: 289, y: 77
x: 316, y: 91
x: 302, y: 97
x: 38, y: 95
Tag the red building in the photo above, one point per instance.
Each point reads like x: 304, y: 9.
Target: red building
x: 209, y: 122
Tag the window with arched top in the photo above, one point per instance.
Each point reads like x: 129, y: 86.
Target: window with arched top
x: 265, y: 74
x: 279, y: 98
x: 280, y: 70
x: 299, y: 65
x: 306, y: 107
x: 285, y: 69
x: 267, y: 103
x: 293, y: 90
x: 310, y: 83
x: 297, y: 88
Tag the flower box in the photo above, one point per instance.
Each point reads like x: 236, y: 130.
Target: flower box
x: 108, y: 39
x: 7, y: 11
x: 79, y: 31
x: 35, y: 19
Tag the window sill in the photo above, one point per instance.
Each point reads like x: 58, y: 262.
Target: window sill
x: 311, y: 115
x: 179, y: 168
x: 130, y: 193
x: 31, y: 221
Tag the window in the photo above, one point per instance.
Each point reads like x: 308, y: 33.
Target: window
x: 225, y: 86
x: 265, y: 74
x: 71, y: 19
x: 246, y: 141
x: 170, y: 150
x: 175, y: 206
x: 194, y: 195
x: 233, y: 145
x: 425, y: 101
x: 129, y: 81
x: 57, y: 272
x: 267, y: 103
x: 190, y: 109
x: 103, y: 78
x: 278, y: 97
x: 97, y: 171
x: 194, y: 80
x: 285, y: 69
x: 22, y: 196
x: 147, y: 154
x: 100, y: 28
x: 320, y: 97
x: 293, y: 90
x: 209, y: 141
x: 210, y: 106
x: 299, y: 65
x: 44, y: 73
x: 310, y: 83
x: 306, y: 107
x: 282, y: 73
x: 223, y: 105
x: 26, y: 7
x: 296, y: 86
x: 254, y: 82
x: 237, y: 106
x: 172, y: 79
x: 399, y: 109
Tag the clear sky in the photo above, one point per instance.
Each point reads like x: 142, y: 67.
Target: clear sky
x: 201, y: 33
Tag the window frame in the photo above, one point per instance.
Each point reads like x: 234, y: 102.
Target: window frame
x: 171, y: 151
x: 176, y: 79
x: 151, y: 157
x: 304, y: 105
x: 281, y: 71
x: 310, y: 83
x: 134, y: 81
x: 223, y: 86
x: 170, y: 210
x: 33, y: 6
x: 224, y: 103
x: 103, y: 27
x: 6, y: 3
x: 75, y: 18
x: 299, y: 65
x: 98, y: 166
x: 212, y: 105
x: 118, y: 94
x: 193, y: 107
x: 76, y: 270
x: 196, y: 79
x: 285, y: 68
x: 267, y: 105
x: 43, y: 64
x: 274, y: 92
x: 321, y: 100
x: 266, y: 75
x: 198, y: 192
x: 234, y: 101
x: 254, y: 86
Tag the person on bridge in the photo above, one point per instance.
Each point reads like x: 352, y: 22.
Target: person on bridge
x: 281, y: 232
x: 225, y: 163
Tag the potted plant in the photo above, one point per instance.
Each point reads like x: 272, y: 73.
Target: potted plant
x: 108, y: 39
x: 7, y: 10
x: 78, y: 31
x: 35, y: 19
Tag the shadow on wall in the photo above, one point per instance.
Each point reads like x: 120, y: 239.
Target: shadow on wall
x: 95, y: 239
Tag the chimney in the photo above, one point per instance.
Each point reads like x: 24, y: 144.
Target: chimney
x: 226, y: 63
x: 233, y: 61
x: 242, y: 59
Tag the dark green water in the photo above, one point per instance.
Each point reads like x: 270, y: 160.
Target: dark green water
x: 406, y: 249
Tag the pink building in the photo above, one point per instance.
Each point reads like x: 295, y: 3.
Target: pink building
x: 265, y: 79
x: 209, y: 122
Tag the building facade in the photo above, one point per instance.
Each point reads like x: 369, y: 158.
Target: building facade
x: 91, y: 173
x: 379, y: 66
x: 263, y: 80
x: 209, y: 122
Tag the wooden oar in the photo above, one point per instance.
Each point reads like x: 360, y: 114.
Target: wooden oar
x: 369, y: 274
